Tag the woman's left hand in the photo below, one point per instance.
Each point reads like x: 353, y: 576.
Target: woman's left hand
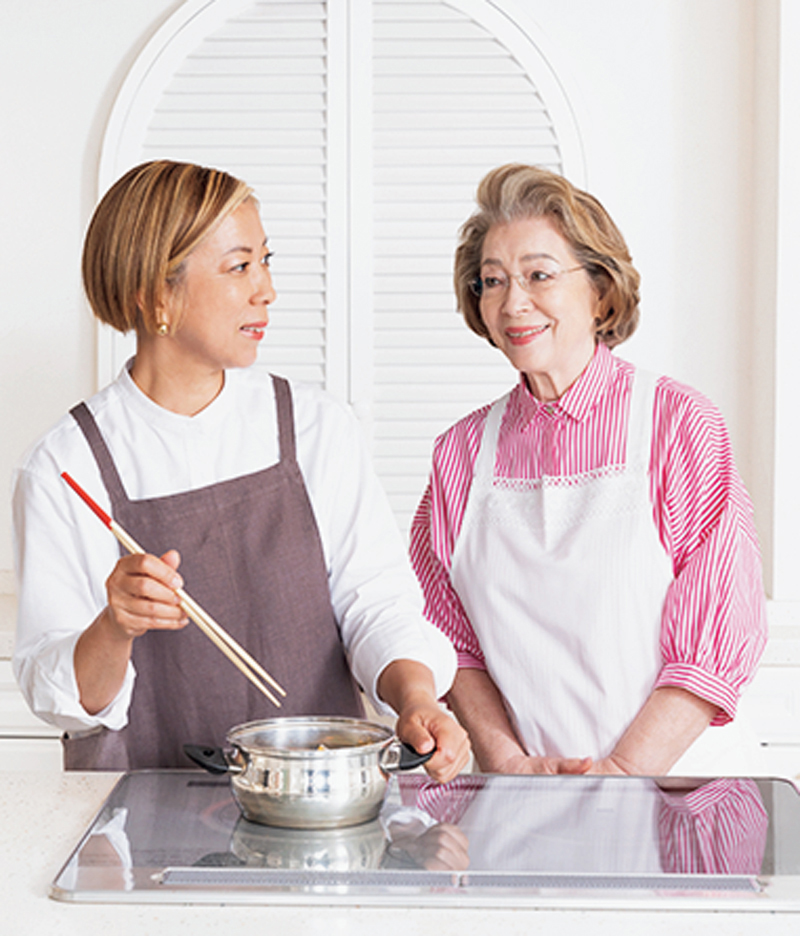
x: 408, y: 687
x: 666, y: 725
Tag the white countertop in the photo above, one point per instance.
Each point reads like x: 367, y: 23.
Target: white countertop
x: 42, y: 817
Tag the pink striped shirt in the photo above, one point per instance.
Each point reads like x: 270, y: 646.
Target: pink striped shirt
x: 713, y: 628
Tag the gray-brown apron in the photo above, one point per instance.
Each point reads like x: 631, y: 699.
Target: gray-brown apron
x: 252, y: 557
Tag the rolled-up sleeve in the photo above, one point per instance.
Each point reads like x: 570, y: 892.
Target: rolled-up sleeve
x: 58, y: 597
x: 714, y: 625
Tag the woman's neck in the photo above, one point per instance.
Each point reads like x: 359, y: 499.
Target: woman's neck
x: 173, y: 384
x: 549, y: 386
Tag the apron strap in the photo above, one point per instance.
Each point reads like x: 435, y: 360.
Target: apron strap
x: 108, y: 470
x: 483, y: 472
x: 640, y: 419
x: 283, y: 405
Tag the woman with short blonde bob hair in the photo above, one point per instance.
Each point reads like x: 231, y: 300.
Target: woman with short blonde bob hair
x: 254, y: 491
x: 143, y: 230
x: 518, y: 191
x: 585, y: 541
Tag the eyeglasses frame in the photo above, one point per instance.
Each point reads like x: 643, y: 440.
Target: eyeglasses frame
x: 476, y: 285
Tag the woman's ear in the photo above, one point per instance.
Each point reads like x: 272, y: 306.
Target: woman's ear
x: 164, y: 315
x: 603, y: 298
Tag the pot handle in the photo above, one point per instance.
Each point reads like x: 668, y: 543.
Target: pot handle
x: 397, y: 755
x: 212, y: 759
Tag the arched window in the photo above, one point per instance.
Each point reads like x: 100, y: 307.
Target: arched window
x: 364, y: 126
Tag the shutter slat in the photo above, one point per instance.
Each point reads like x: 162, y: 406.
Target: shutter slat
x: 430, y: 339
x: 476, y: 155
x: 310, y: 81
x: 230, y: 122
x: 391, y: 36
x: 283, y: 29
x: 419, y: 13
x: 229, y: 156
x: 286, y: 314
x: 233, y: 104
x: 484, y: 101
x: 467, y: 139
x: 466, y: 82
x: 268, y: 138
x: 460, y: 392
x: 239, y: 65
x: 270, y: 10
x: 245, y: 47
x: 477, y: 121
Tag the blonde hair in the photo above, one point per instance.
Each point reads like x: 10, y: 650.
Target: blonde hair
x: 142, y: 231
x: 517, y: 191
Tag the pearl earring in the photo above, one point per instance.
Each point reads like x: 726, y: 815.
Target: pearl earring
x: 162, y: 329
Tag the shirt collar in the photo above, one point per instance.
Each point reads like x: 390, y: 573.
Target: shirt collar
x: 577, y: 402
x: 206, y: 420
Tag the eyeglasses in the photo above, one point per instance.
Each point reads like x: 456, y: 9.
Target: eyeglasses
x: 535, y: 281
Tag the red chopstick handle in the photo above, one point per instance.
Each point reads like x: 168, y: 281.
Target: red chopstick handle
x: 86, y: 499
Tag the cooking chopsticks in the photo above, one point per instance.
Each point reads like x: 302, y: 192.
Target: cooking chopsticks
x: 215, y: 632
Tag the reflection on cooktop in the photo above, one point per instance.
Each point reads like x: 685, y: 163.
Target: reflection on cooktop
x: 173, y: 829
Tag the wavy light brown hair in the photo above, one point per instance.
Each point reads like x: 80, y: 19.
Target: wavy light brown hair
x: 517, y: 191
x: 142, y: 231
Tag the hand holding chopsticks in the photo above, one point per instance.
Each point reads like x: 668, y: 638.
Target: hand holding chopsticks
x: 219, y: 637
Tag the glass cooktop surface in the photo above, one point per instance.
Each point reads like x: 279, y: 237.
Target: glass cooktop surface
x: 481, y: 840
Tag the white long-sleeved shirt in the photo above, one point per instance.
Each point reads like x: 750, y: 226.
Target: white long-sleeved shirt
x: 63, y: 554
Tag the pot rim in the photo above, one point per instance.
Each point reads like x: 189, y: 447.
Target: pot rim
x: 234, y: 737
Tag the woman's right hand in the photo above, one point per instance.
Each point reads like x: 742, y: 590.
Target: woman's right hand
x: 141, y: 595
x: 479, y: 707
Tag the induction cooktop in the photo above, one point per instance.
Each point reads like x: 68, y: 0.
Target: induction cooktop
x: 480, y: 840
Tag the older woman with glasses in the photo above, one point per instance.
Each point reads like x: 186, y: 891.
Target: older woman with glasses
x: 585, y: 541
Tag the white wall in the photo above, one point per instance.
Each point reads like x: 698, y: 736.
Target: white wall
x: 61, y: 64
x: 667, y: 94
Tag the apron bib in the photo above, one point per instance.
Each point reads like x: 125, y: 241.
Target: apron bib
x: 563, y: 580
x: 252, y: 557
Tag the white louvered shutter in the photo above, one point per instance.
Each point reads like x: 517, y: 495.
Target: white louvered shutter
x: 364, y: 126
x: 450, y: 102
x: 251, y: 99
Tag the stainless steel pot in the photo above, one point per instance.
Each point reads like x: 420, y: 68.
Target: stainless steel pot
x: 309, y: 772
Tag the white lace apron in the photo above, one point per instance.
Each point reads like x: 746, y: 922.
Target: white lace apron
x: 564, y: 582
